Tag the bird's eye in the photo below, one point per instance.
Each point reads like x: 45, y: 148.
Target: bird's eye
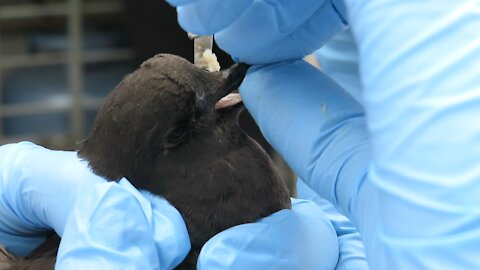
x: 176, y: 135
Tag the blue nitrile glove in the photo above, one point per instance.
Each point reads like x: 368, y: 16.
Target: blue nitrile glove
x: 351, y: 249
x: 415, y: 197
x: 263, y: 31
x: 419, y: 66
x: 302, y: 238
x: 104, y: 225
x: 317, y: 127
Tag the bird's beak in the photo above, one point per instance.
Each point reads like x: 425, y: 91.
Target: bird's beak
x: 234, y: 76
x: 228, y: 95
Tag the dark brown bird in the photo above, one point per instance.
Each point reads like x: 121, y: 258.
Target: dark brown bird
x: 160, y: 129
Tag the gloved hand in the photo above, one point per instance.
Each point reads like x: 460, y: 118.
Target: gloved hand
x: 323, y: 137
x: 409, y: 182
x: 351, y: 250
x: 263, y: 31
x: 103, y: 225
x: 301, y: 238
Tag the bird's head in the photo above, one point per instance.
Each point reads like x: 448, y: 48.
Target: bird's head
x: 166, y: 112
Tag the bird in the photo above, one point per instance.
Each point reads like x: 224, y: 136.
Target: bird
x: 169, y: 128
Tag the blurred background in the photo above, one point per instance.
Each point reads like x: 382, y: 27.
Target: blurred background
x: 59, y: 59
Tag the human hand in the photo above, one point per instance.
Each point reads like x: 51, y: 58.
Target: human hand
x: 103, y: 225
x: 300, y: 238
x: 350, y: 247
x: 409, y: 183
x: 259, y: 32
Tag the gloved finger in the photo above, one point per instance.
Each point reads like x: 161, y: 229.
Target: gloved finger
x: 207, y: 17
x: 351, y: 250
x: 301, y: 238
x: 37, y: 190
x: 270, y: 31
x: 113, y: 226
x: 324, y: 137
x: 168, y: 229
x: 264, y: 31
